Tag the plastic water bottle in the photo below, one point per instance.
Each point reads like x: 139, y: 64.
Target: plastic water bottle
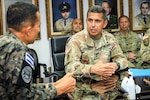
x: 131, y: 89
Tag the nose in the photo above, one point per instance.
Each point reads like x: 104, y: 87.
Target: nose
x: 93, y: 23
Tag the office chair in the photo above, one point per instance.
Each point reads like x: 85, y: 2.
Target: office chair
x: 58, y: 53
x: 36, y: 72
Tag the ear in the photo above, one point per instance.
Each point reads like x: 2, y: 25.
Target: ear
x: 105, y: 23
x: 27, y: 30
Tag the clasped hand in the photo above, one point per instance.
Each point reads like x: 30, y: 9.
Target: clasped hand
x: 104, y: 69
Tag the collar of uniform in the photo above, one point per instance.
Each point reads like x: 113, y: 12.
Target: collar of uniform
x: 16, y: 38
x: 90, y: 41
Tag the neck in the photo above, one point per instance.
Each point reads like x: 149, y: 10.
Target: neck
x: 125, y: 31
x: 19, y: 35
x: 73, y: 32
x: 96, y: 37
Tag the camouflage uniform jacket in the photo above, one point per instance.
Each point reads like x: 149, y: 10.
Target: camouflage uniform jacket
x: 130, y: 42
x: 145, y: 48
x: 82, y: 52
x: 16, y: 72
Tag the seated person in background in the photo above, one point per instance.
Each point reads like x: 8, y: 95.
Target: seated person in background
x: 64, y: 24
x: 129, y: 42
x: 145, y: 53
x: 77, y: 26
x: 145, y: 49
x: 94, y: 53
x: 112, y: 19
x: 16, y: 63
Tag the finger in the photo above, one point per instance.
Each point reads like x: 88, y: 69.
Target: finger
x: 110, y: 87
x: 108, y: 72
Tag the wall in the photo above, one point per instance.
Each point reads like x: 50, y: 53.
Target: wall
x: 42, y: 46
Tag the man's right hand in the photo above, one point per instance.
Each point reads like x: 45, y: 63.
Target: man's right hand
x: 104, y: 69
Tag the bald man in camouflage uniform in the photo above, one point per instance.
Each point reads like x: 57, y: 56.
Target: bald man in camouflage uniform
x: 129, y: 42
x: 17, y: 63
x: 94, y: 53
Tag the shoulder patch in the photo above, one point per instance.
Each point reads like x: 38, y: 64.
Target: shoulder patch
x: 146, y: 40
x: 26, y: 74
x: 67, y: 49
x: 29, y: 59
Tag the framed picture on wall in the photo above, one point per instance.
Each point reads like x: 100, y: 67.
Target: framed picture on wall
x: 4, y: 4
x: 60, y: 14
x: 140, y: 15
x: 114, y: 9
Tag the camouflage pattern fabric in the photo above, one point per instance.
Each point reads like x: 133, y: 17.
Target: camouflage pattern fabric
x: 82, y: 52
x: 145, y: 49
x: 106, y: 89
x: 12, y: 57
x: 130, y: 42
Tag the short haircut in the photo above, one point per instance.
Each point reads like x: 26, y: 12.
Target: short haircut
x: 125, y: 17
x: 108, y: 2
x: 145, y: 2
x: 97, y: 9
x: 19, y: 13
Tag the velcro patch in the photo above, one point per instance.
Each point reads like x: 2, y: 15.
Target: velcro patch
x: 26, y: 74
x: 29, y: 59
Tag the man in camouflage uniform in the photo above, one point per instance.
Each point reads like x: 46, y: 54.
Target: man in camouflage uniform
x: 145, y: 49
x: 129, y: 42
x: 145, y: 53
x: 94, y: 53
x: 16, y: 62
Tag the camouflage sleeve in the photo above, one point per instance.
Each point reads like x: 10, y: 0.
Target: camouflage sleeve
x: 42, y: 91
x: 13, y: 89
x: 73, y: 60
x: 118, y: 56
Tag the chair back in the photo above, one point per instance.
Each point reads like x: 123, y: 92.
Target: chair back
x: 58, y: 53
